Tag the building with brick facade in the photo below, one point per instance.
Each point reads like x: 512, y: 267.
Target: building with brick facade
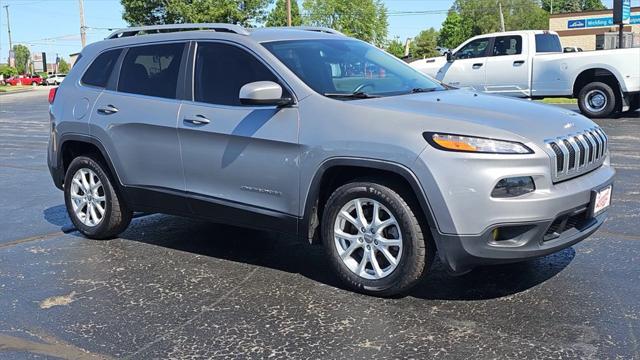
x: 594, y: 30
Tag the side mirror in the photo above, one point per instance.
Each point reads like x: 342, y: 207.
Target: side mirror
x: 263, y: 93
x: 450, y: 57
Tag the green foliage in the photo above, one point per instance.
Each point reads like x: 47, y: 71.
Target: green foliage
x: 42, y: 74
x: 452, y: 33
x: 363, y: 19
x: 278, y: 16
x: 63, y: 67
x: 22, y: 55
x: 395, y: 47
x: 151, y: 12
x: 425, y: 44
x: 482, y: 16
x: 8, y: 71
x: 563, y: 6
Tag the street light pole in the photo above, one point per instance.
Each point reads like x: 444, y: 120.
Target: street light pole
x: 83, y: 29
x: 288, y: 12
x: 6, y: 8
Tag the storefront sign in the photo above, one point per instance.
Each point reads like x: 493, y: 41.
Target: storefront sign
x: 599, y: 22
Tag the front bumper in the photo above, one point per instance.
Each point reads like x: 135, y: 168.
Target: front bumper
x: 532, y: 240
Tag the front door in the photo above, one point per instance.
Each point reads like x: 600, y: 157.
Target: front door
x: 236, y: 155
x: 469, y: 68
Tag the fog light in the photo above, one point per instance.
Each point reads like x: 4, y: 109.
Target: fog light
x: 514, y: 186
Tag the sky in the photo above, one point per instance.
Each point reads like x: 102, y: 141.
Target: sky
x: 53, y: 26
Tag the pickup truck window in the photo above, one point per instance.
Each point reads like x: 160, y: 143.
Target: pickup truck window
x: 548, y: 43
x: 475, y: 49
x: 507, y: 45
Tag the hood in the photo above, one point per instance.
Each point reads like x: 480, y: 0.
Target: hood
x: 429, y: 66
x: 469, y: 113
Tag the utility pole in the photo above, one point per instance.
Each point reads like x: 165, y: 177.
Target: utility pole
x: 6, y: 8
x: 288, y: 12
x: 551, y: 12
x: 501, y: 17
x: 83, y: 29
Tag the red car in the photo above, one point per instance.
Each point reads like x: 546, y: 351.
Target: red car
x: 24, y: 80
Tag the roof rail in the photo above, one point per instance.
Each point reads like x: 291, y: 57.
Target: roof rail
x: 144, y: 30
x: 316, y: 29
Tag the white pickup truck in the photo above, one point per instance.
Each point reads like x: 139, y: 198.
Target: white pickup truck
x: 531, y: 64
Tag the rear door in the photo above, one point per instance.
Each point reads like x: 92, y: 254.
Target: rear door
x: 135, y: 117
x: 469, y: 68
x: 234, y: 154
x: 508, y: 67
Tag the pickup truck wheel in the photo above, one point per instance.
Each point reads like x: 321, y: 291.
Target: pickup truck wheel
x: 94, y: 205
x: 597, y: 100
x: 373, y: 239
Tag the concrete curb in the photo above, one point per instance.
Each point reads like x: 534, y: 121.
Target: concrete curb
x: 16, y: 92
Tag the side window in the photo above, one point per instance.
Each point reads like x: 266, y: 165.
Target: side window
x: 99, y: 71
x: 475, y: 49
x: 507, y: 45
x: 222, y: 69
x: 151, y: 70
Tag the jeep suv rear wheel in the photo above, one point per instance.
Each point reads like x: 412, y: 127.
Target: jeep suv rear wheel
x: 94, y: 205
x: 374, y: 240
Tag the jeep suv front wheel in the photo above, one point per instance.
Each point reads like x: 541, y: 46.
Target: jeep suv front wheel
x: 374, y: 240
x: 93, y: 203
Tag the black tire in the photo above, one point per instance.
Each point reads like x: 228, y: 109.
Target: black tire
x: 612, y: 101
x: 116, y: 217
x: 417, y: 252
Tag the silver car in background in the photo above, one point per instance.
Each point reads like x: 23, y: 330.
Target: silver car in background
x: 309, y: 132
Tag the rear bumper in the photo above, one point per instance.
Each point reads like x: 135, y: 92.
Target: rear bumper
x: 526, y: 241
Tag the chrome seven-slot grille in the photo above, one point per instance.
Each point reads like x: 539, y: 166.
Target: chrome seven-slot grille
x: 576, y: 154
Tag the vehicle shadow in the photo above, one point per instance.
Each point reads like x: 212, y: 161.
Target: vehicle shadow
x: 284, y: 253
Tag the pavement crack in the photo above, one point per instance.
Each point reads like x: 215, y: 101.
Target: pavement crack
x: 33, y: 238
x: 193, y: 318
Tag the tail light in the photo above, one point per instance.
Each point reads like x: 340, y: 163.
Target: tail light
x: 52, y: 94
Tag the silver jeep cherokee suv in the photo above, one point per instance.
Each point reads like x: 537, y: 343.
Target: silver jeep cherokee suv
x: 307, y: 131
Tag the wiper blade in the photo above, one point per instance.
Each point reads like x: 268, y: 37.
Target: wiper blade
x: 422, y: 90
x: 355, y: 95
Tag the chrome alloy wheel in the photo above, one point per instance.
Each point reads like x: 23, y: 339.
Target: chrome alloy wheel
x: 368, y: 238
x: 596, y: 100
x: 87, y: 197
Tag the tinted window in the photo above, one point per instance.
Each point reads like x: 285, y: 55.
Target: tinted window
x: 98, y: 73
x: 507, y: 45
x: 548, y: 43
x: 221, y: 70
x: 151, y: 70
x: 475, y: 49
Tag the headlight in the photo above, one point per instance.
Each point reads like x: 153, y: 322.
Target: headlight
x: 462, y: 143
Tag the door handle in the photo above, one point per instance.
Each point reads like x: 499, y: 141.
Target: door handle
x: 477, y: 66
x: 108, y: 110
x: 518, y: 63
x: 197, y: 120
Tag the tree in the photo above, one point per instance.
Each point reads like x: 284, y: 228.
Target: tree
x: 8, y: 71
x: 151, y: 12
x: 395, y: 47
x: 63, y: 66
x: 278, y: 16
x: 364, y: 19
x: 425, y: 44
x: 563, y: 6
x: 22, y: 55
x: 452, y: 33
x: 482, y: 16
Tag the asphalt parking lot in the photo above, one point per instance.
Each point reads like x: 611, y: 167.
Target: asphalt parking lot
x: 171, y: 287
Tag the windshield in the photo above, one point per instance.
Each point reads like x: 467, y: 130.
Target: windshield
x: 548, y: 43
x: 337, y: 67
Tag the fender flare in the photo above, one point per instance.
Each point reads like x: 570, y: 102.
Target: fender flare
x: 304, y: 229
x: 59, y: 167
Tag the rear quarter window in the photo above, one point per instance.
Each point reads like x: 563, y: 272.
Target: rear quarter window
x: 99, y: 71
